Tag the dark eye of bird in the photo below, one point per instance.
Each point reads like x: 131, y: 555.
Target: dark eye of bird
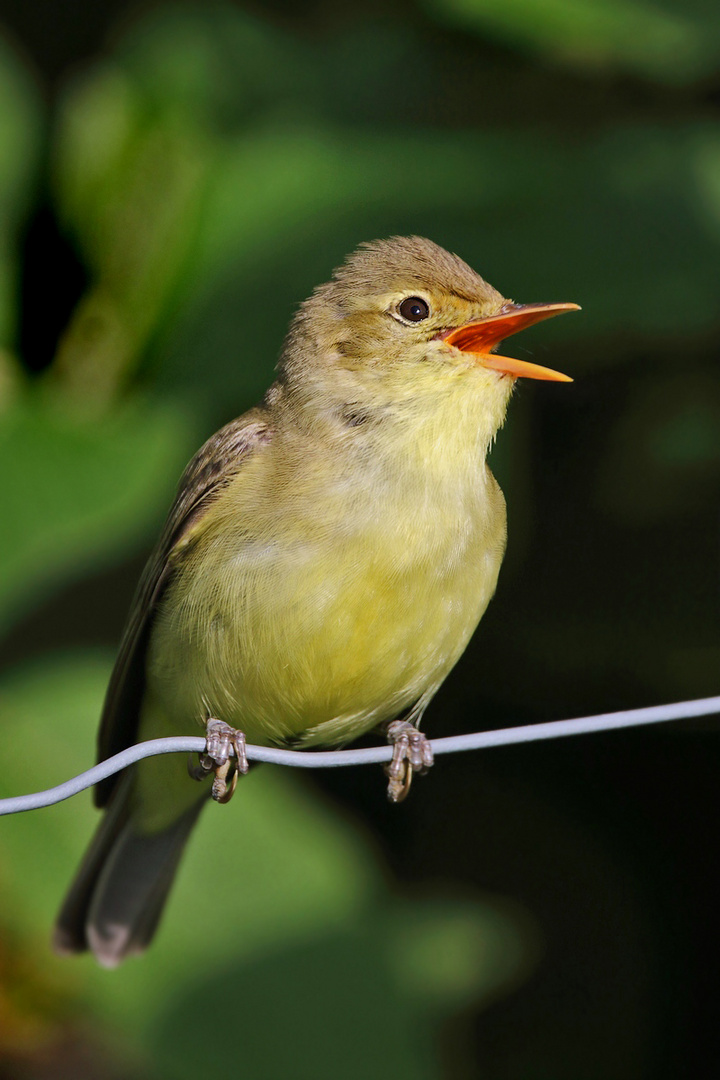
x: 414, y: 309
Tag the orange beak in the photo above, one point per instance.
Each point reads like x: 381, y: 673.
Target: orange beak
x: 481, y: 337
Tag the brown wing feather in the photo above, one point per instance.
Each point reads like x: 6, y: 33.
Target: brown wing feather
x: 209, y: 471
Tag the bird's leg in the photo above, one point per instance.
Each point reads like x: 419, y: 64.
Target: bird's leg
x: 412, y: 753
x: 220, y: 737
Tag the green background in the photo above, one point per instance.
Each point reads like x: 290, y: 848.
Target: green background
x: 174, y: 180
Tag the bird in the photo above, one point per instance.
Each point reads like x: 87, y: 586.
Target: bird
x: 324, y: 564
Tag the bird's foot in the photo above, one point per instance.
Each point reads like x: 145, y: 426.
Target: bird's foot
x: 220, y: 738
x: 412, y: 753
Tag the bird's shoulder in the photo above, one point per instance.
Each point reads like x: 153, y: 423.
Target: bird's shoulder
x: 213, y: 467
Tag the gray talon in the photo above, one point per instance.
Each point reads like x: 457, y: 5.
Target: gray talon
x: 412, y: 753
x: 220, y: 739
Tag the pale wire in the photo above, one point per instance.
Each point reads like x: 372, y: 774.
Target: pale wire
x: 306, y: 759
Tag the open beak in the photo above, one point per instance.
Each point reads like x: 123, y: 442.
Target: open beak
x: 480, y: 337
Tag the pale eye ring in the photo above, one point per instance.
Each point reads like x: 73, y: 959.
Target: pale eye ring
x: 414, y: 309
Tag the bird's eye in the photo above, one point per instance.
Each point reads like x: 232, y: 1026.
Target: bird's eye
x: 414, y: 309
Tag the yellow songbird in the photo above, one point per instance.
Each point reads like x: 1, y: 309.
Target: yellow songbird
x: 323, y: 567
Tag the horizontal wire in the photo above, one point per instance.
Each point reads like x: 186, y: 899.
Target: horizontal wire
x: 311, y: 759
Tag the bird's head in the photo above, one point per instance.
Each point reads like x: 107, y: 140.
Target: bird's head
x: 405, y: 312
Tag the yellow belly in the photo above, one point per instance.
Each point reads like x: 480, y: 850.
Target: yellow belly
x: 296, y: 629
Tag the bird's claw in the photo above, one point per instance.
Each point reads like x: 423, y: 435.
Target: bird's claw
x: 220, y: 738
x: 412, y: 753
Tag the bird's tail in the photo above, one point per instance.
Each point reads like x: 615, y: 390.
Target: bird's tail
x: 114, y: 905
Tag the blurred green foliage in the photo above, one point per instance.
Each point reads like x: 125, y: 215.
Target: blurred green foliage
x: 666, y: 41
x: 208, y: 170
x: 117, y: 469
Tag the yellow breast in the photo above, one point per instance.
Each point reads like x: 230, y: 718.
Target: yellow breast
x: 326, y: 593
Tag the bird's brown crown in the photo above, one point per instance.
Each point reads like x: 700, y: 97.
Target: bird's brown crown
x: 357, y: 316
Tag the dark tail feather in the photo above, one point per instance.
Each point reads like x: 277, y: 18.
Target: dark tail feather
x: 115, y: 903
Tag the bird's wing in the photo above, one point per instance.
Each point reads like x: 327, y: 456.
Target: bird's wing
x: 214, y: 465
